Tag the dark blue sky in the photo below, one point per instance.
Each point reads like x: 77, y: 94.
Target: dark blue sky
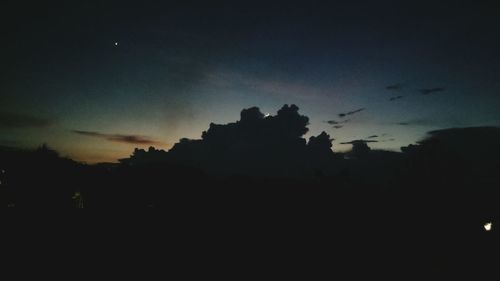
x: 177, y: 68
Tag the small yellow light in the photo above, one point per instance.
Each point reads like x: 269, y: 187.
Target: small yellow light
x: 487, y: 226
x: 75, y: 195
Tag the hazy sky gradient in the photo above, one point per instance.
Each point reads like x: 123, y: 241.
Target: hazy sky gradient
x: 179, y: 67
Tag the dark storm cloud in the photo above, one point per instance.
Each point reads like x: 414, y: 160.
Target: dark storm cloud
x: 244, y: 144
x: 255, y: 145
x: 431, y: 90
x: 395, y: 98
x: 469, y: 133
x: 478, y: 145
x: 395, y: 87
x: 342, y: 115
x: 131, y: 139
x: 10, y: 120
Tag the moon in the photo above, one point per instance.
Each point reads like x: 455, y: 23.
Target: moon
x: 116, y: 43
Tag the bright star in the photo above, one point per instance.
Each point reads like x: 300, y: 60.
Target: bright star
x: 116, y: 43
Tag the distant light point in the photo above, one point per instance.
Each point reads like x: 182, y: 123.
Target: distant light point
x: 487, y: 226
x: 116, y: 44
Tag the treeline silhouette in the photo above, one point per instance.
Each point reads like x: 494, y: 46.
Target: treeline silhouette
x: 441, y: 190
x: 261, y: 155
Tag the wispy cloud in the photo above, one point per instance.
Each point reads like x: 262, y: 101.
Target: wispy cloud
x: 332, y: 122
x: 342, y: 115
x: 9, y: 120
x: 418, y: 122
x: 431, y: 90
x: 358, y: 141
x: 269, y: 85
x: 335, y: 122
x: 395, y: 87
x: 131, y: 139
x: 395, y: 98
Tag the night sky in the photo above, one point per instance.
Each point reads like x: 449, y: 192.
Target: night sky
x: 94, y: 81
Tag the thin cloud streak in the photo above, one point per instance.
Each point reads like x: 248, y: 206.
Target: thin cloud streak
x: 9, y: 120
x: 130, y: 139
x: 342, y: 115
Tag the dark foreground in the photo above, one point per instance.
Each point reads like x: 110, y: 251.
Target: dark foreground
x: 422, y: 212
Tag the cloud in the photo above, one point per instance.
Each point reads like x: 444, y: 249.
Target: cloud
x: 355, y: 111
x: 265, y: 84
x: 9, y: 120
x: 395, y: 87
x: 476, y: 145
x: 431, y: 90
x: 131, y: 139
x: 342, y: 115
x: 418, y: 122
x: 395, y: 98
x: 332, y: 122
x: 257, y: 145
x: 337, y: 126
x: 372, y: 137
x: 467, y: 135
x: 358, y: 141
x: 359, y: 147
x: 335, y: 122
x: 321, y: 142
